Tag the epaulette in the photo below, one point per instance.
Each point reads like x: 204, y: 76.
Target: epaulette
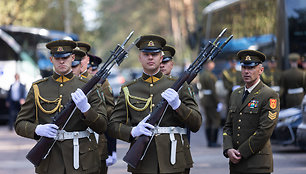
x: 170, y: 77
x: 40, y: 80
x: 130, y: 83
x: 85, y: 80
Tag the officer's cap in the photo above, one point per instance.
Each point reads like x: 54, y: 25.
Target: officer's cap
x: 94, y: 61
x: 78, y: 56
x: 251, y: 57
x: 294, y: 56
x: 169, y: 52
x: 151, y: 43
x: 83, y: 46
x: 61, y: 48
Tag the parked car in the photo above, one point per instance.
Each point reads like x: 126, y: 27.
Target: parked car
x: 301, y: 130
x: 286, y: 128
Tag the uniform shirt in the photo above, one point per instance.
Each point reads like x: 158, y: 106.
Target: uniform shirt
x: 126, y: 116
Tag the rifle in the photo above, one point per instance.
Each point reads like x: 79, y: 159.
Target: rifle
x: 42, y: 148
x: 138, y: 150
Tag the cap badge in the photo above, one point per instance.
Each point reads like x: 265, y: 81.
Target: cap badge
x: 151, y: 44
x: 247, y: 58
x: 77, y: 48
x: 60, y: 49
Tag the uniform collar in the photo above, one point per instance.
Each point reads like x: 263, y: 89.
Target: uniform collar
x: 250, y: 89
x: 62, y: 78
x: 84, y: 74
x: 152, y: 78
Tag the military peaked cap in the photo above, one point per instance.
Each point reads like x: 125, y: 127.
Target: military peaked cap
x: 251, y: 57
x: 79, y: 54
x: 169, y: 52
x: 61, y: 48
x: 94, y: 61
x: 83, y: 46
x: 294, y: 56
x: 151, y: 43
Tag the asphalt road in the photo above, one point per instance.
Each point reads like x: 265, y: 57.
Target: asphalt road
x: 287, y: 160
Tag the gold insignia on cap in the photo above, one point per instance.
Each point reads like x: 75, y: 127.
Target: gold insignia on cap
x: 247, y: 58
x: 272, y: 115
x: 151, y: 44
x: 60, y: 49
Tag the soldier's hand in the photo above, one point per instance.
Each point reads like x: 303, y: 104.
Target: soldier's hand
x: 142, y: 128
x: 112, y: 159
x: 234, y: 155
x: 172, y: 98
x: 46, y: 130
x: 80, y: 100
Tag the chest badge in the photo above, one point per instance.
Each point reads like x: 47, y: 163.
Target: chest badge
x: 253, y: 104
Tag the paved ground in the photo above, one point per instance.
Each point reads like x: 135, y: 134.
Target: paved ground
x: 13, y: 149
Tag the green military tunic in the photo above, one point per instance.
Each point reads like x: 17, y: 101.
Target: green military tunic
x: 144, y: 94
x: 272, y: 78
x: 210, y: 99
x: 294, y: 86
x: 231, y: 77
x: 249, y: 126
x: 53, y: 93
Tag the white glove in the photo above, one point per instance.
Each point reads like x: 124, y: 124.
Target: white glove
x: 219, y: 107
x: 46, y: 130
x: 172, y: 98
x: 235, y: 87
x: 111, y: 160
x: 80, y: 100
x: 142, y: 128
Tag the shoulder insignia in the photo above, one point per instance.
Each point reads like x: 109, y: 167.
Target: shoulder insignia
x: 273, y: 103
x: 170, y: 77
x: 129, y: 83
x: 272, y: 115
x: 40, y: 80
x: 85, y: 80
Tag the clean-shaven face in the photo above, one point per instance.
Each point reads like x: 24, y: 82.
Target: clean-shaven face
x: 150, y: 61
x: 62, y: 65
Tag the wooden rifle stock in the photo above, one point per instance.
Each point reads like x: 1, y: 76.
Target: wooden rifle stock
x: 138, y: 149
x: 44, y: 145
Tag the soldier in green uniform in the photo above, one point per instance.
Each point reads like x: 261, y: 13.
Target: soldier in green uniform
x: 293, y: 83
x: 231, y: 78
x: 85, y: 60
x: 105, y: 143
x: 210, y: 104
x: 167, y: 64
x: 252, y: 116
x: 272, y: 75
x: 75, y: 150
x: 169, y: 151
x: 76, y: 63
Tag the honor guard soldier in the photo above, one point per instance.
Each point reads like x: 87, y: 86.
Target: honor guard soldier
x: 169, y: 151
x: 210, y: 104
x: 293, y: 83
x: 85, y: 60
x: 272, y: 75
x: 167, y: 63
x: 76, y: 64
x: 252, y: 116
x: 107, y: 144
x: 75, y: 149
x: 231, y: 78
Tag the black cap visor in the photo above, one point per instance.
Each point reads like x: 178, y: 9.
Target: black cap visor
x: 151, y: 50
x: 75, y: 63
x: 248, y: 63
x: 59, y: 55
x: 166, y: 59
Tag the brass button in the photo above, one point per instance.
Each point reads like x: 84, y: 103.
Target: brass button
x: 238, y: 135
x: 62, y: 106
x: 61, y: 85
x: 151, y: 95
x: 237, y: 142
x: 240, y: 113
x: 153, y: 105
x: 239, y: 120
x: 251, y: 112
x: 238, y: 127
x: 151, y: 85
x: 61, y: 96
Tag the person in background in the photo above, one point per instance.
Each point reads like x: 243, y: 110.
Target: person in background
x: 272, y: 75
x: 252, y: 116
x: 76, y: 63
x: 169, y: 151
x: 293, y: 83
x: 84, y: 46
x: 167, y: 64
x: 15, y: 98
x: 210, y: 103
x: 107, y: 144
x: 75, y: 150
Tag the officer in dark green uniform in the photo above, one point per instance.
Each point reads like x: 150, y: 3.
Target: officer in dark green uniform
x: 94, y: 62
x: 169, y: 150
x: 210, y: 104
x: 293, y: 83
x: 75, y: 150
x: 76, y: 63
x: 167, y: 64
x: 252, y: 116
x: 84, y: 46
x: 272, y: 75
